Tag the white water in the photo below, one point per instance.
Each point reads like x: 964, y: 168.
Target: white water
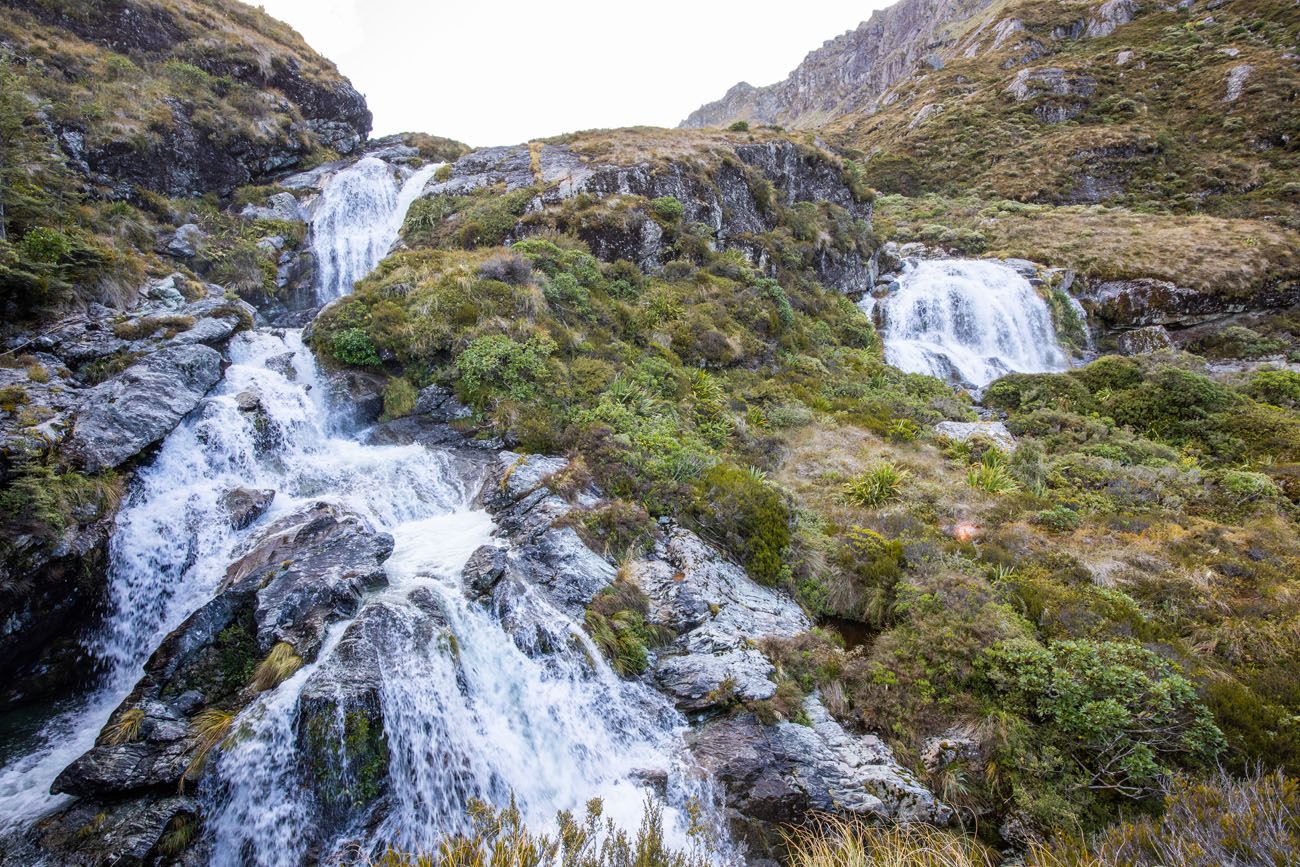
x: 357, y: 221
x: 468, y: 710
x: 971, y: 321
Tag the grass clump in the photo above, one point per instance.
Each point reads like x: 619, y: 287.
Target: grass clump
x: 835, y: 841
x: 208, y: 731
x: 992, y: 475
x: 617, y: 621
x: 278, y: 666
x: 877, y: 485
x: 125, y: 728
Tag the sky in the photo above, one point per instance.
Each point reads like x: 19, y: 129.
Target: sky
x: 490, y: 72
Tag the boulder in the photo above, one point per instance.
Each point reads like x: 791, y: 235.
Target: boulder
x: 244, y: 505
x: 185, y: 242
x: 1144, y: 341
x: 994, y: 431
x: 131, y: 412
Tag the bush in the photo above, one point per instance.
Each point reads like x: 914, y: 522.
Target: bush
x: 400, y: 397
x: 878, y: 484
x: 739, y: 126
x: 992, y: 475
x: 745, y: 516
x: 1277, y: 387
x: 353, y: 346
x: 668, y: 208
x: 507, y: 268
x: 1124, y: 714
x: 496, y: 366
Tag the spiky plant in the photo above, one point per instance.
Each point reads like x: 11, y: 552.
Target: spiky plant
x: 992, y: 474
x: 880, y: 483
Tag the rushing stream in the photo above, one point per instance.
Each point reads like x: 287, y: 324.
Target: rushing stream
x: 969, y: 321
x: 495, y: 717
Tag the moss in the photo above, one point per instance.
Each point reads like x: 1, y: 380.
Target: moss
x: 347, y: 751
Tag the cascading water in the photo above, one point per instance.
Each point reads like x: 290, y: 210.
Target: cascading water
x: 967, y: 320
x: 357, y: 221
x: 468, y: 707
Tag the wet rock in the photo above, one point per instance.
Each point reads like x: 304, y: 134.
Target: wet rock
x: 282, y: 207
x: 133, y: 411
x: 358, y: 392
x: 244, y: 506
x: 306, y: 571
x: 89, y: 834
x: 440, y: 405
x: 485, y: 568
x: 994, y: 431
x: 1144, y: 341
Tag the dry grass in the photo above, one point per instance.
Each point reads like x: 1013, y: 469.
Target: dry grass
x: 126, y: 728
x: 208, y: 731
x: 850, y: 842
x: 1110, y: 243
x: 632, y: 145
x: 279, y: 665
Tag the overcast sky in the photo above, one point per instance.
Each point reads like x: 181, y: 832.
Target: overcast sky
x: 491, y: 72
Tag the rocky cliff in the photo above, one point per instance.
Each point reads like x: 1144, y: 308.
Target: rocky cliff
x: 849, y: 73
x: 178, y: 98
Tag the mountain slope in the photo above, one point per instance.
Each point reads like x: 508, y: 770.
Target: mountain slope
x: 1184, y: 109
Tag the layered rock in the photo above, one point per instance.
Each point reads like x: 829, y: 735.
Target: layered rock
x: 720, y: 192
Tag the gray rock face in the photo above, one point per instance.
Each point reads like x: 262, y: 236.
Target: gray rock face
x: 1062, y: 94
x: 1236, y: 83
x: 1128, y: 304
x: 306, y: 571
x: 127, y: 833
x: 133, y: 411
x: 771, y: 774
x: 185, y: 243
x: 993, y: 431
x: 1145, y: 340
x: 724, y: 203
x: 281, y: 206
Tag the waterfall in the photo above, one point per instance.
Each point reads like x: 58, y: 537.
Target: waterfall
x: 969, y: 321
x: 468, y: 707
x: 357, y: 221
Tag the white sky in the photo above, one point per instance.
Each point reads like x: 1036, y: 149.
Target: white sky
x: 491, y: 72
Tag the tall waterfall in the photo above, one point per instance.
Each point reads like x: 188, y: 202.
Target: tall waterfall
x: 967, y: 320
x: 469, y: 708
x: 357, y: 221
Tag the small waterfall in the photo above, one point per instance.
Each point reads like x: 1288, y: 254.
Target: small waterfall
x: 471, y: 704
x: 969, y: 321
x: 357, y: 221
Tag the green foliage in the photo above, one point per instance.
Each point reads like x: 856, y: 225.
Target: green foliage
x: 745, y: 516
x: 400, y: 397
x: 48, y: 500
x: 498, y: 365
x: 739, y: 126
x: 353, y: 346
x: 617, y: 622
x: 880, y: 483
x: 1276, y: 387
x: 1124, y: 714
x: 992, y: 474
x: 668, y: 209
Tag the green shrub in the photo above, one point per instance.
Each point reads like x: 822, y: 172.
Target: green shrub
x: 745, y: 516
x: 739, y: 126
x: 1026, y: 392
x: 668, y: 208
x: 1125, y: 715
x: 353, y: 346
x: 880, y: 483
x: 992, y: 475
x: 1058, y: 519
x: 496, y: 366
x: 1277, y: 387
x: 1173, y: 404
x: 399, y: 397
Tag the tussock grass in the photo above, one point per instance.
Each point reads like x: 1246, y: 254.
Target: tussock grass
x: 279, y: 665
x: 208, y: 731
x: 126, y: 728
x: 851, y: 842
x: 880, y: 483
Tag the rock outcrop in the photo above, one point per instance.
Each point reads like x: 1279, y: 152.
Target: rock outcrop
x: 96, y: 392
x: 299, y: 101
x: 303, y: 573
x: 722, y: 192
x: 771, y: 773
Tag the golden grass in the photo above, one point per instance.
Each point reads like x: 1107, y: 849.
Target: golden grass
x: 279, y: 665
x: 126, y: 728
x: 1111, y: 243
x: 851, y: 842
x: 208, y: 731
x: 632, y: 145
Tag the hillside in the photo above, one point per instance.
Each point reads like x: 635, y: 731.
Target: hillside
x: 1126, y: 104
